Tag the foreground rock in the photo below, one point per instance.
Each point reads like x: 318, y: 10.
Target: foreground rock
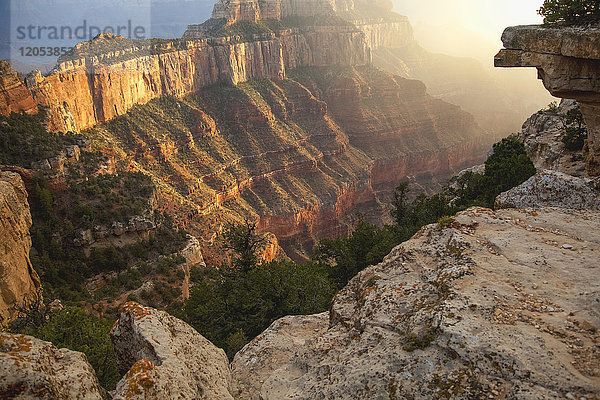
x: 497, y: 305
x: 33, y: 369
x: 19, y: 283
x: 553, y: 189
x: 166, y: 358
x: 542, y: 135
x: 568, y: 62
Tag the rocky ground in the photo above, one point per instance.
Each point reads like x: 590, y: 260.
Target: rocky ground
x: 498, y: 304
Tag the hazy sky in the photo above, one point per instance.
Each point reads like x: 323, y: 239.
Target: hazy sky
x: 488, y: 17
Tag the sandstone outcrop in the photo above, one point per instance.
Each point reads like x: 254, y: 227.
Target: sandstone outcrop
x: 542, y: 135
x: 553, y: 189
x: 33, y: 369
x: 166, y: 358
x: 496, y: 305
x: 14, y: 95
x: 19, y: 282
x: 568, y: 62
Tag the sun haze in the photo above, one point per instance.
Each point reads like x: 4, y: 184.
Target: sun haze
x: 486, y: 17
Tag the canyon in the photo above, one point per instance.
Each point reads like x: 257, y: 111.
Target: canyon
x: 312, y: 134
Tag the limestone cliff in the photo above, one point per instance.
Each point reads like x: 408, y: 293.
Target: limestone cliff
x: 568, y: 63
x: 19, y: 282
x: 14, y: 96
x: 93, y: 87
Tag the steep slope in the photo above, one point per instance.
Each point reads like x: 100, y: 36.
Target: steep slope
x: 14, y: 96
x: 19, y: 283
x: 300, y: 153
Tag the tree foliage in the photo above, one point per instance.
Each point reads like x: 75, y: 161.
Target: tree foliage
x: 228, y: 306
x: 575, y: 131
x: 245, y: 242
x: 570, y: 11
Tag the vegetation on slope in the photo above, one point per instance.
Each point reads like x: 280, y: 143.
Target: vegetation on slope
x: 24, y: 139
x: 88, y: 278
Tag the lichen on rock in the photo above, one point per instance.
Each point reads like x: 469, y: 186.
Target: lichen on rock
x: 166, y: 358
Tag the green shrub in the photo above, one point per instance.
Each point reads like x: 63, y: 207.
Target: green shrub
x: 77, y: 330
x: 570, y: 11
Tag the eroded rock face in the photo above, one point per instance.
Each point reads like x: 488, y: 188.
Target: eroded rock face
x: 553, y: 189
x: 14, y: 95
x: 568, y: 62
x: 18, y: 280
x: 542, y: 135
x: 166, y: 358
x: 33, y: 369
x: 468, y: 311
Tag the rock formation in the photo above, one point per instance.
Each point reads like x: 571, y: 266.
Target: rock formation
x: 166, y: 358
x: 14, y: 96
x: 568, y: 62
x: 542, y: 135
x: 465, y: 311
x: 553, y: 189
x: 33, y: 369
x: 19, y: 283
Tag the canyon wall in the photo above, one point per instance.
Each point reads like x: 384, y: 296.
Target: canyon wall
x: 300, y: 154
x: 82, y: 93
x: 568, y: 63
x: 14, y: 96
x: 19, y: 283
x: 105, y: 77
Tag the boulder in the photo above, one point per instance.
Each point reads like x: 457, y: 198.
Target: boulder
x: 491, y: 306
x: 553, y: 189
x: 166, y: 358
x: 33, y: 369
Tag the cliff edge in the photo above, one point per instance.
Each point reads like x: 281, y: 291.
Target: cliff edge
x: 18, y: 280
x: 568, y: 62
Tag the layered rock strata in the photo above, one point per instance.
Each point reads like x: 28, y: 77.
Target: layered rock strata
x: 568, y: 63
x: 301, y: 153
x: 33, y: 369
x: 14, y: 96
x: 166, y: 358
x: 19, y: 283
x: 84, y: 92
x: 465, y: 311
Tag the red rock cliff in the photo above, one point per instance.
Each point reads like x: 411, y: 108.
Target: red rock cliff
x: 14, y: 96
